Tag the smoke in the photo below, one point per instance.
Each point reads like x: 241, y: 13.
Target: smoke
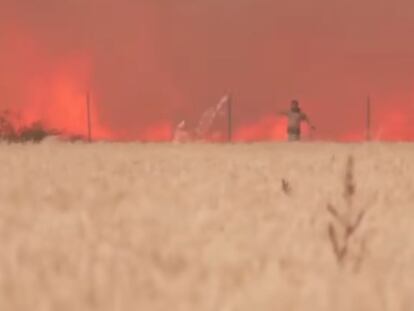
x: 150, y: 64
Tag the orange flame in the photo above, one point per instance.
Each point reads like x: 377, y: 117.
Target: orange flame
x: 49, y: 89
x: 59, y: 99
x: 395, y: 125
x: 267, y: 128
x: 54, y: 92
x: 390, y: 123
x: 161, y: 131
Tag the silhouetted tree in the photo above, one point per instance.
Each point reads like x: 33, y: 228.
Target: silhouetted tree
x: 35, y: 132
x: 7, y: 130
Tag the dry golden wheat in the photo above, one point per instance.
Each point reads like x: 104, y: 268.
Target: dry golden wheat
x: 149, y: 227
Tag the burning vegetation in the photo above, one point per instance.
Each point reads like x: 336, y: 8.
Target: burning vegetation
x: 35, y: 132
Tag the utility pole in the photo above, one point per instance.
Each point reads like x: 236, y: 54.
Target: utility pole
x: 368, y: 120
x: 229, y: 120
x: 88, y: 115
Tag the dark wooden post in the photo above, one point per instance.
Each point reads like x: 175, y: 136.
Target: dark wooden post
x: 368, y: 120
x: 229, y: 120
x: 88, y: 112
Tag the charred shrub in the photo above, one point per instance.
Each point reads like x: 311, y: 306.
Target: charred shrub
x: 9, y: 132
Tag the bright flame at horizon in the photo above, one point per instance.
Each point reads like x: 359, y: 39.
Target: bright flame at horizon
x: 53, y: 91
x: 58, y: 99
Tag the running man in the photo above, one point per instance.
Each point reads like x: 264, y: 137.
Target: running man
x: 295, y: 118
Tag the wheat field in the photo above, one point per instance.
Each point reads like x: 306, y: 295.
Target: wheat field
x: 111, y: 226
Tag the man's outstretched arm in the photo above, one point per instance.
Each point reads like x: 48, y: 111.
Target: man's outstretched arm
x: 307, y: 120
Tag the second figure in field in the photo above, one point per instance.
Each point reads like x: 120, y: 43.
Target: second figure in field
x: 295, y: 117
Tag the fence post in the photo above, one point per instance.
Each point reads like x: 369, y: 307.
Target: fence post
x: 88, y: 112
x: 229, y: 120
x: 368, y: 120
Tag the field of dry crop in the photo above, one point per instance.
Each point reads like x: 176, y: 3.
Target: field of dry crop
x: 207, y: 227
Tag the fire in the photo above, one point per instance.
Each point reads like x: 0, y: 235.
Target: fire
x: 395, y: 125
x: 268, y: 128
x: 46, y: 89
x: 161, y: 131
x: 58, y: 99
x: 390, y: 123
x: 53, y: 90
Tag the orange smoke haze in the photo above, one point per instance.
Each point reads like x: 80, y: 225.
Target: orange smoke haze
x: 150, y: 64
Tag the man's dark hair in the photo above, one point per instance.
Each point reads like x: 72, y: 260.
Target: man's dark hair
x: 294, y: 106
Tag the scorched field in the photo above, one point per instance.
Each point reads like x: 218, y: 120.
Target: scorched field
x: 275, y: 226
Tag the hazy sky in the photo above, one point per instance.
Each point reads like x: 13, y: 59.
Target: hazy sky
x: 162, y: 60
